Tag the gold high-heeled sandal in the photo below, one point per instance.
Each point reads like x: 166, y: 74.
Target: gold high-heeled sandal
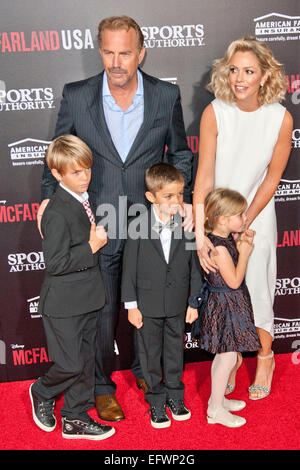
x: 262, y: 388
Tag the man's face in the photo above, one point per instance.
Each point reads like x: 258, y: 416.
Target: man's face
x: 121, y: 56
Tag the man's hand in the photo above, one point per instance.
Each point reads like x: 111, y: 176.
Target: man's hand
x: 135, y: 317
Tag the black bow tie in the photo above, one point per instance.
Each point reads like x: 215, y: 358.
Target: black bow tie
x: 159, y: 226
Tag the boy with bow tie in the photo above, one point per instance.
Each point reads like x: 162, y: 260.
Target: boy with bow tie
x: 158, y: 274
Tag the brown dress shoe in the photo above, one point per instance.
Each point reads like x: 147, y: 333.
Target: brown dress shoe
x: 141, y: 384
x: 108, y: 408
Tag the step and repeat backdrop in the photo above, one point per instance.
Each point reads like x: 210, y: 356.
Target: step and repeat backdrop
x: 44, y: 45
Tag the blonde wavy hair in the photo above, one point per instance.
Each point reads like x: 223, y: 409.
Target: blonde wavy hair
x: 222, y: 202
x: 275, y: 86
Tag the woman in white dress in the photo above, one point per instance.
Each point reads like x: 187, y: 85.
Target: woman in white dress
x: 245, y: 142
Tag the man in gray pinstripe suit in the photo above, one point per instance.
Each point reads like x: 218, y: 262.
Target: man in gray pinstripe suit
x: 130, y: 120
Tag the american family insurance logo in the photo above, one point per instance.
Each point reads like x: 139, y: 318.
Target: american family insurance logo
x: 28, y: 152
x: 288, y: 190
x: 43, y: 41
x: 277, y: 27
x: 188, y: 35
x: 286, y: 327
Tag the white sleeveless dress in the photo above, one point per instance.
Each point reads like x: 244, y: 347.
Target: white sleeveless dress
x: 245, y: 146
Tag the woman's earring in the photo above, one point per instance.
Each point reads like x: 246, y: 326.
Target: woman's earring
x: 261, y: 84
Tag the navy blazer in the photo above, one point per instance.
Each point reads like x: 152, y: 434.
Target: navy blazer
x: 161, y: 135
x: 73, y: 283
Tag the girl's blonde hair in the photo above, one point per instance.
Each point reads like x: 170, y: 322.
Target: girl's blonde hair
x: 222, y: 202
x: 275, y: 86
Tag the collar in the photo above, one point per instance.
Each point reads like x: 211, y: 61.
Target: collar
x: 81, y: 198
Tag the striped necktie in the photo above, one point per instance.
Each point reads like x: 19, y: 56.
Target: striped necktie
x: 88, y: 210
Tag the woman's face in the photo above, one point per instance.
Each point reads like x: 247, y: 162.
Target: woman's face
x: 245, y: 77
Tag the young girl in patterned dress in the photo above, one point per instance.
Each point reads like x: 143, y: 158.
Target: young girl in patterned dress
x: 226, y: 324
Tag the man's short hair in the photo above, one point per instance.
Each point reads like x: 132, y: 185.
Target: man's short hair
x: 115, y: 23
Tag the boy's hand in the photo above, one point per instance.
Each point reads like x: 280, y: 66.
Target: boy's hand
x: 98, y: 237
x: 191, y: 315
x: 135, y: 317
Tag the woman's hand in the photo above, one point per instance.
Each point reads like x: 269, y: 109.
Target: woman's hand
x: 203, y: 255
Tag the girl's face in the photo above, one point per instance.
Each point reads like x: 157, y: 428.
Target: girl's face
x: 237, y: 223
x: 245, y: 77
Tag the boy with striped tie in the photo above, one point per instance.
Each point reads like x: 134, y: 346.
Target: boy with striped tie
x: 71, y: 295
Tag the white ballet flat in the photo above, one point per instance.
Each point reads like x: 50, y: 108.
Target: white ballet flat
x: 234, y: 405
x: 226, y: 419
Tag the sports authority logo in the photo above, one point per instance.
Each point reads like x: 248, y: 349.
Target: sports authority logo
x: 286, y: 328
x: 170, y: 80
x: 188, y: 35
x: 19, y: 262
x: 277, y: 27
x: 41, y: 41
x: 288, y: 190
x: 287, y: 286
x: 26, y: 99
x: 28, y: 152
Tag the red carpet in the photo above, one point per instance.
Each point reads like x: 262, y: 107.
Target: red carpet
x: 272, y: 423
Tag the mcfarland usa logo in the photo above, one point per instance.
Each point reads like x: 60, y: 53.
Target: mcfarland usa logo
x: 22, y: 212
x: 28, y: 152
x: 188, y: 35
x: 41, y: 41
x: 277, y: 27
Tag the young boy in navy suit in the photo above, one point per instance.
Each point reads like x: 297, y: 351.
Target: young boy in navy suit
x: 71, y: 295
x: 159, y: 271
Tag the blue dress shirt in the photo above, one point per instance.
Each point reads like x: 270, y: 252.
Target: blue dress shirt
x: 123, y: 125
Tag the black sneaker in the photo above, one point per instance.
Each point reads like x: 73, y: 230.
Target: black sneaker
x: 178, y: 409
x: 43, y: 412
x: 77, y: 429
x: 159, y: 417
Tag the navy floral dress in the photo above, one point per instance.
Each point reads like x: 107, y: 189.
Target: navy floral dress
x: 227, y: 322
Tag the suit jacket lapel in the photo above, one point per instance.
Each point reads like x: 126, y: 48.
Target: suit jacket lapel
x: 150, y: 109
x: 74, y: 204
x: 154, y: 236
x: 95, y: 106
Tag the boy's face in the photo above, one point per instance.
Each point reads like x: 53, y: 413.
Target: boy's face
x: 75, y: 178
x: 168, y: 200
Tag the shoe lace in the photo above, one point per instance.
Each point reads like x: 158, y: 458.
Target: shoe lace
x: 46, y: 407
